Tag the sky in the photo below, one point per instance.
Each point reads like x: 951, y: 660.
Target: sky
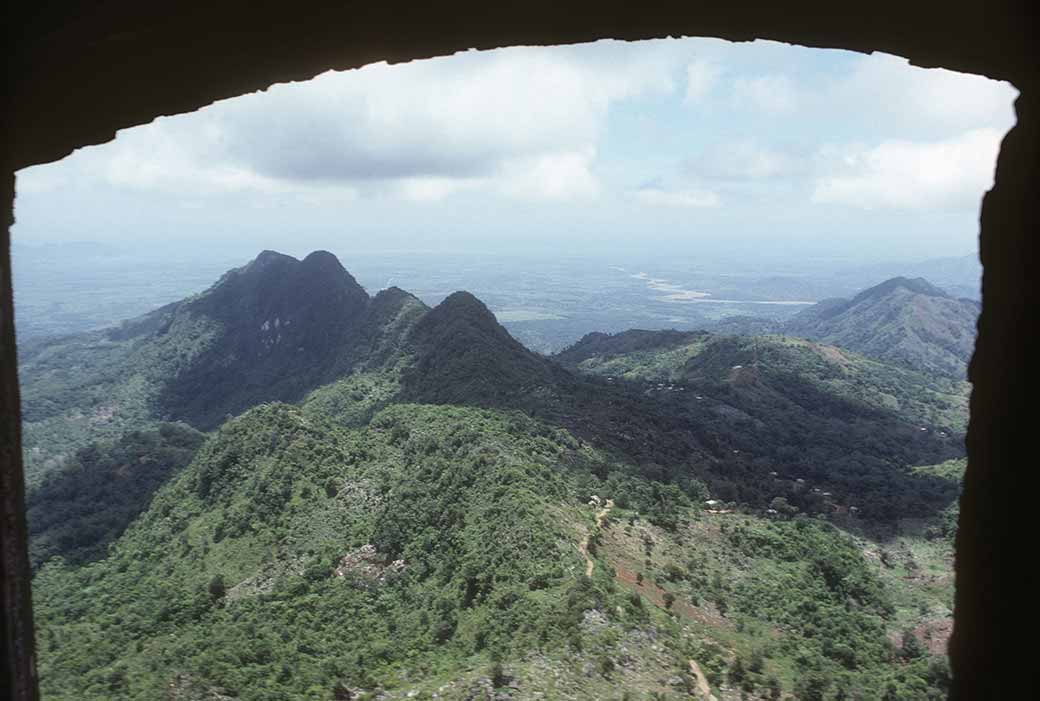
x: 673, y: 147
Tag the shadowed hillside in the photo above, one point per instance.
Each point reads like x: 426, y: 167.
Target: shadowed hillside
x: 274, y: 329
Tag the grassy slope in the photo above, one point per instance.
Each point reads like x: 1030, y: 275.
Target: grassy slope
x: 270, y: 505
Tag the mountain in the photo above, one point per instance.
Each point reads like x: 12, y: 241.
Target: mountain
x: 786, y: 365
x: 746, y: 325
x: 806, y: 410
x: 274, y: 329
x: 906, y: 321
x: 392, y: 501
x: 288, y: 330
x: 463, y: 355
x: 959, y: 275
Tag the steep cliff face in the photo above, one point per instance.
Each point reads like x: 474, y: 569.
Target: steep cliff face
x: 273, y: 329
x: 281, y: 326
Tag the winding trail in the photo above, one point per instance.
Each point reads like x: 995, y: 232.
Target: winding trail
x: 583, y: 547
x: 702, y: 682
x: 703, y: 688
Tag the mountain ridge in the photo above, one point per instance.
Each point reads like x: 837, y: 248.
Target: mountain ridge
x: 904, y: 320
x: 409, y: 507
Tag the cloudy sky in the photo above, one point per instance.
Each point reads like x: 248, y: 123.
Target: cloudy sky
x: 674, y: 147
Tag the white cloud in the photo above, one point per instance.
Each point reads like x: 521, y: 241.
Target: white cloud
x: 178, y: 155
x: 745, y: 160
x: 889, y: 88
x: 544, y: 124
x: 701, y: 77
x: 775, y: 94
x: 554, y: 176
x: 521, y: 121
x: 908, y: 174
x: 431, y: 189
x: 688, y: 197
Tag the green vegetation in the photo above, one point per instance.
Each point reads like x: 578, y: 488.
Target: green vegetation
x: 848, y: 427
x: 245, y: 574
x: 81, y: 508
x: 431, y: 514
x: 773, y: 604
x: 673, y: 357
x: 241, y: 548
x: 275, y: 329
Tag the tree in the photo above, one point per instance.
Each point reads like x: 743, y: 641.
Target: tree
x: 775, y: 690
x: 216, y: 587
x: 812, y: 687
x: 757, y: 661
x: 911, y: 646
x: 782, y: 506
x: 737, y: 671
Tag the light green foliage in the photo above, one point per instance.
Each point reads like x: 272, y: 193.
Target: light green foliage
x: 655, y: 364
x: 269, y: 506
x: 951, y: 470
x: 353, y: 400
x: 797, y: 601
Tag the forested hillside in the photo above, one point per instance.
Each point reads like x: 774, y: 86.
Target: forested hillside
x: 778, y: 409
x: 906, y: 321
x: 398, y: 502
x: 273, y: 329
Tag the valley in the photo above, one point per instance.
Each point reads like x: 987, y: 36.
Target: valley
x: 287, y: 487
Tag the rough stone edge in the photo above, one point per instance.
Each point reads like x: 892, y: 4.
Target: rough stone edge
x: 17, y: 645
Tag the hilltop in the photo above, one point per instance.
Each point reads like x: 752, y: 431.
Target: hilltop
x: 274, y: 329
x: 907, y: 321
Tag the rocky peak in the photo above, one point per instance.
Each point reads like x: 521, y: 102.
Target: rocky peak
x: 916, y: 285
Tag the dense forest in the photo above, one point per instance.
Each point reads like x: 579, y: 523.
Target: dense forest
x: 286, y: 488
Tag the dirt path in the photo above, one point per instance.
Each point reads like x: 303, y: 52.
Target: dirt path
x: 583, y: 546
x: 702, y: 682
